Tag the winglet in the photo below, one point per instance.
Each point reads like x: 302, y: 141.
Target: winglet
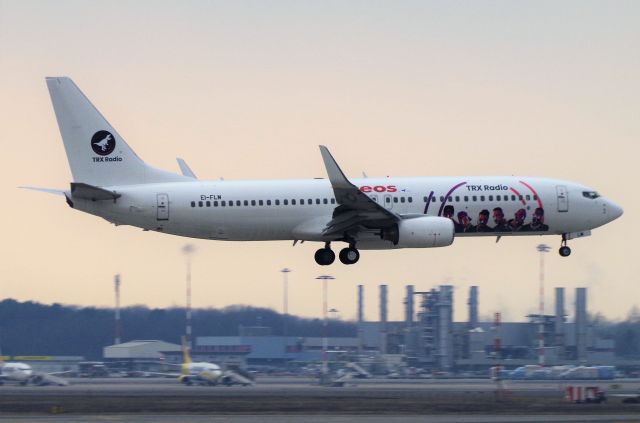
x: 336, y: 176
x: 185, y: 169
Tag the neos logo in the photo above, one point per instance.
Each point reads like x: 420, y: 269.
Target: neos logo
x: 379, y: 188
x: 103, y: 143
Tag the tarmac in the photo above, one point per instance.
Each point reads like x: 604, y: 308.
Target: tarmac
x: 289, y: 399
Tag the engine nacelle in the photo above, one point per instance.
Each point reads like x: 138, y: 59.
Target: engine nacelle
x: 422, y: 232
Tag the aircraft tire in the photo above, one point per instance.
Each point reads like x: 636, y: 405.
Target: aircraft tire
x: 564, y: 251
x: 325, y: 256
x: 349, y: 255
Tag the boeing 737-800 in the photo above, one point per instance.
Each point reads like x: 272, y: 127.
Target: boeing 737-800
x: 112, y: 182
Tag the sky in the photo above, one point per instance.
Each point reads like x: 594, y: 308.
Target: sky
x: 249, y: 89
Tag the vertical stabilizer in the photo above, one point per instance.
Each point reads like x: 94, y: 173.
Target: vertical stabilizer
x: 97, y: 154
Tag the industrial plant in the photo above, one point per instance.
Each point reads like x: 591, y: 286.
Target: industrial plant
x: 428, y: 338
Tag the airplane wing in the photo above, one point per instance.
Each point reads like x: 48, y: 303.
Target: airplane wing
x: 355, y: 211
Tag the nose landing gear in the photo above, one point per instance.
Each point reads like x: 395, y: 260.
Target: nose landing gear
x: 564, y: 250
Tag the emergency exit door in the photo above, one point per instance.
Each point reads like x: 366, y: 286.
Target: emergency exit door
x: 563, y: 198
x: 163, y: 206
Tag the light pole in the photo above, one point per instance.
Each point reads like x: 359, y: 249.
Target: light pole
x: 188, y: 251
x: 542, y: 248
x: 285, y: 304
x: 325, y: 340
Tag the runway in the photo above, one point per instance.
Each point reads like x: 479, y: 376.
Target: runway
x: 439, y: 400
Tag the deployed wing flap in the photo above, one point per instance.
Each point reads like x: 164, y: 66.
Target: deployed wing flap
x: 93, y: 193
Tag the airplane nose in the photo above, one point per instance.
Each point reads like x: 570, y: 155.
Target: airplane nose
x: 614, y: 211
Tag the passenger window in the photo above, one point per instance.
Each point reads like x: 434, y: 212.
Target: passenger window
x: 450, y: 199
x: 260, y: 202
x: 475, y: 198
x: 193, y: 204
x: 388, y: 199
x: 535, y: 197
x: 277, y: 202
x: 433, y: 199
x: 238, y: 203
x: 441, y: 199
x: 302, y: 201
x: 199, y: 203
x: 498, y: 198
x: 246, y: 202
x: 286, y: 202
x: 425, y: 199
x: 410, y: 199
x: 457, y: 199
x: 208, y: 203
x: 528, y: 197
x: 293, y: 202
x: 325, y: 201
x: 513, y: 198
x: 215, y: 204
x: 520, y: 198
x: 482, y: 198
x: 253, y: 202
x: 333, y: 201
x: 395, y: 199
x: 317, y: 201
x: 230, y: 203
x: 223, y: 203
x: 268, y: 202
x: 402, y: 199
x: 310, y: 201
x: 466, y: 198
x: 491, y: 198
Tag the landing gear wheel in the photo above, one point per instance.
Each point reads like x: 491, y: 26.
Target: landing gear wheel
x: 564, y: 251
x: 325, y: 256
x: 349, y: 255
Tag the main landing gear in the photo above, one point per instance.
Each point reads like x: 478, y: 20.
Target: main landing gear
x: 564, y: 250
x: 325, y: 256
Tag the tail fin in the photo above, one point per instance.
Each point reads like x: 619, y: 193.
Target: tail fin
x: 186, y: 355
x: 97, y: 154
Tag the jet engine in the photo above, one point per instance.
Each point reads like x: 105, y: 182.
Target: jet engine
x: 421, y: 232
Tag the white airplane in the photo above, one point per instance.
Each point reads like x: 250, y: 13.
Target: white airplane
x: 112, y: 182
x: 24, y: 374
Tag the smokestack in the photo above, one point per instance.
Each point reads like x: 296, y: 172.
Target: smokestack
x: 408, y: 307
x: 360, y: 318
x: 473, y: 307
x: 581, y: 324
x: 559, y: 317
x: 383, y: 319
x: 118, y: 328
x: 383, y: 303
x: 360, y: 304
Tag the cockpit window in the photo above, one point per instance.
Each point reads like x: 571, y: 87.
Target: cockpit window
x: 590, y: 194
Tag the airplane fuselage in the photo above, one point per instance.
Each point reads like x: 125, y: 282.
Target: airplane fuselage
x: 300, y: 209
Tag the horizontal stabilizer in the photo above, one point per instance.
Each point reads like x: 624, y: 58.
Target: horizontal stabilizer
x: 47, y: 190
x: 90, y: 192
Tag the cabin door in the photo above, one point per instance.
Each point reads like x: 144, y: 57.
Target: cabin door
x: 563, y: 198
x: 163, y: 206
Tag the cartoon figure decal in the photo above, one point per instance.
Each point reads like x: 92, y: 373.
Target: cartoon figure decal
x: 496, y: 221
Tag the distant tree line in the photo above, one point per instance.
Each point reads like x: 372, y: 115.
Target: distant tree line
x: 626, y: 333
x: 31, y: 328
